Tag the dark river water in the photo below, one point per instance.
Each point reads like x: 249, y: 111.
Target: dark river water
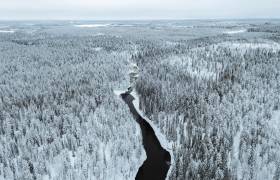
x: 157, y: 164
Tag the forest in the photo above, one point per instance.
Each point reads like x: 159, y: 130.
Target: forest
x: 218, y: 103
x: 59, y: 117
x: 212, y: 88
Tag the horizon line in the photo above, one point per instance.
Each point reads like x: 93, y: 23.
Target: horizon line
x: 140, y: 19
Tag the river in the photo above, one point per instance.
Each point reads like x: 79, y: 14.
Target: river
x: 157, y: 164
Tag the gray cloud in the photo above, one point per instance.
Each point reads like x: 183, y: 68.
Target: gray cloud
x: 135, y: 9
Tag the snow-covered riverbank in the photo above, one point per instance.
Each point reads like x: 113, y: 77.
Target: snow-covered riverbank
x: 161, y: 137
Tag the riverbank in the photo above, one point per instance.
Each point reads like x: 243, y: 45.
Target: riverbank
x: 161, y: 137
x: 158, y: 161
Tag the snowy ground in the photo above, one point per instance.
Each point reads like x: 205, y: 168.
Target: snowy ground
x: 91, y: 25
x: 269, y: 45
x: 236, y: 31
x: 187, y: 63
x: 275, y: 121
x: 7, y: 31
x: 97, y: 49
x: 276, y: 118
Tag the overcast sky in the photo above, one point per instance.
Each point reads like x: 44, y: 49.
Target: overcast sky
x: 138, y: 9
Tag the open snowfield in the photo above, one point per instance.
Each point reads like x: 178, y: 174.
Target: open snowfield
x: 91, y: 25
x: 236, y: 31
x: 243, y: 46
x: 190, y: 67
x: 7, y: 31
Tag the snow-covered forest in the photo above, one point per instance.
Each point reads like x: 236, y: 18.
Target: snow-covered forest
x: 218, y: 103
x: 59, y: 117
x: 212, y: 88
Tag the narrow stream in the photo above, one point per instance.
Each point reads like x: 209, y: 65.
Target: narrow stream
x: 157, y: 164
